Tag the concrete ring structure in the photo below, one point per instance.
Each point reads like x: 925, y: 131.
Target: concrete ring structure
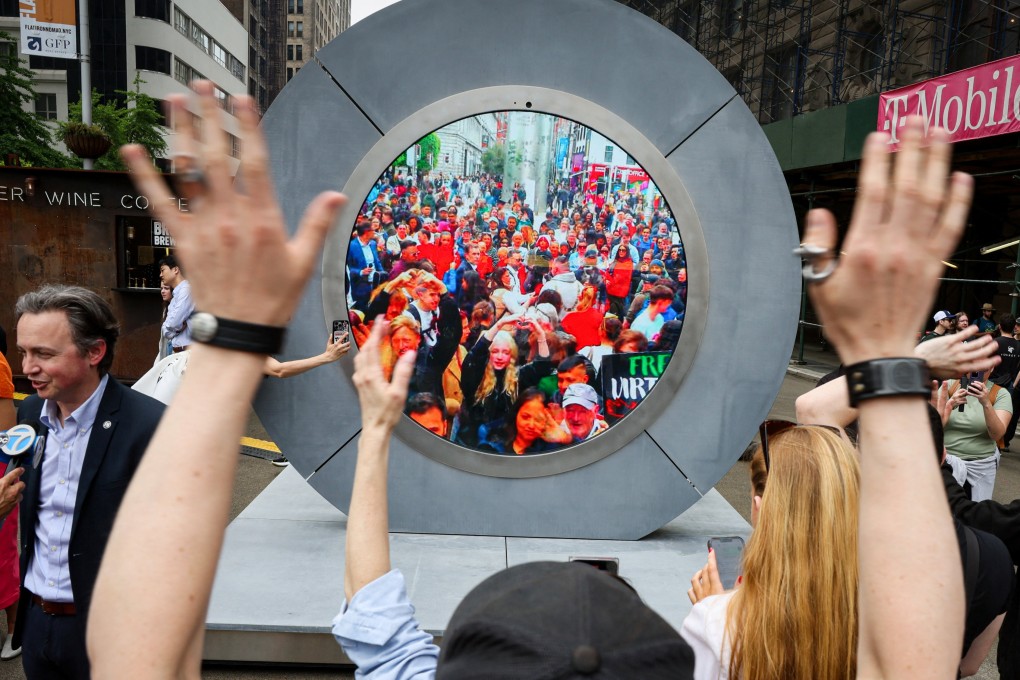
x: 342, y: 120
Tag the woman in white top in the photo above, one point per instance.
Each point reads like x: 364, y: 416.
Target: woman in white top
x: 794, y: 615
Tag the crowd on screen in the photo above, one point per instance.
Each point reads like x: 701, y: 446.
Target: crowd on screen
x: 508, y: 309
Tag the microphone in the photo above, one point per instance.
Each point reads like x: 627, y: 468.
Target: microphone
x: 21, y: 440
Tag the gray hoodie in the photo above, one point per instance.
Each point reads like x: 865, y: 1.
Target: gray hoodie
x: 569, y: 288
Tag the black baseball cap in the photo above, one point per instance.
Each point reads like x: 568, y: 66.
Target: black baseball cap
x: 560, y: 621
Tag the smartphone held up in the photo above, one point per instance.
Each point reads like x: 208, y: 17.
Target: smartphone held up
x: 341, y: 331
x: 728, y: 551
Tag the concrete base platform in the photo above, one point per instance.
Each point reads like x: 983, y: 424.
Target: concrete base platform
x: 280, y: 579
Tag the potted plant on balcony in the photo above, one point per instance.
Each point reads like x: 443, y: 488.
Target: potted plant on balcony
x: 85, y: 141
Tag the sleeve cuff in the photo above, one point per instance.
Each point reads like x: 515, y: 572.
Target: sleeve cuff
x: 376, y: 612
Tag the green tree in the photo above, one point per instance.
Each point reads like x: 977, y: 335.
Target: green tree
x: 136, y: 121
x: 21, y: 131
x: 494, y: 160
x: 429, y: 144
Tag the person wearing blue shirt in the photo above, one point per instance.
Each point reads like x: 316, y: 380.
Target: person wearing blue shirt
x: 175, y: 326
x: 986, y: 324
x: 644, y: 242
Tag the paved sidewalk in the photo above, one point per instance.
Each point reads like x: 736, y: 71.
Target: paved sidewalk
x: 817, y: 361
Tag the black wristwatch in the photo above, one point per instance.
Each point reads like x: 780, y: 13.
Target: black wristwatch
x: 237, y: 335
x: 893, y: 377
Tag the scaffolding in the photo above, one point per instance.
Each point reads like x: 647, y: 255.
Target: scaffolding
x: 785, y: 57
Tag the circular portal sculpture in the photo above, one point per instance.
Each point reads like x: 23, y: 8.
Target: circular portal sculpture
x: 344, y: 118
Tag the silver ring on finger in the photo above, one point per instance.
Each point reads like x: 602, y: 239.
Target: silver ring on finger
x: 192, y: 175
x: 810, y: 255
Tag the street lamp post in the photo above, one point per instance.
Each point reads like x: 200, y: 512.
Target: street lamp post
x: 86, y: 70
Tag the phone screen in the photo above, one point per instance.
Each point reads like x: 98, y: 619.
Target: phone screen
x: 728, y: 552
x: 608, y: 564
x: 341, y: 330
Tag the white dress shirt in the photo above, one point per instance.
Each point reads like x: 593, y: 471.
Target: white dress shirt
x: 48, y: 574
x: 175, y: 327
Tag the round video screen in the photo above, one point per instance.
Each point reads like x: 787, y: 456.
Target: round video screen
x: 536, y: 270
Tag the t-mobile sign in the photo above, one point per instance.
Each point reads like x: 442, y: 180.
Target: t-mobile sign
x: 981, y: 101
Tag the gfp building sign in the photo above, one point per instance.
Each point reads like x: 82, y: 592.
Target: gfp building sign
x: 48, y: 28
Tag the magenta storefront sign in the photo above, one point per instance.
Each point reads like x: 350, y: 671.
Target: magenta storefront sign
x: 981, y: 101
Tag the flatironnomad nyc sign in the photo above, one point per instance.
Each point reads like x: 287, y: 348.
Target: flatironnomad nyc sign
x: 977, y: 102
x: 48, y: 28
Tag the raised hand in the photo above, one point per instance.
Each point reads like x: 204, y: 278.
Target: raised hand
x: 952, y: 355
x: 232, y: 243
x: 382, y: 400
x: 902, y: 228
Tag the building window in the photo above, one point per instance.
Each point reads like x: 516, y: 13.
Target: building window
x: 300, y: 52
x: 872, y: 45
x: 143, y: 244
x: 185, y: 73
x: 290, y: 29
x: 733, y: 17
x: 290, y: 6
x: 236, y: 67
x: 200, y: 37
x: 182, y: 72
x: 778, y: 90
x: 161, y: 111
x: 152, y: 59
x: 290, y: 73
x: 235, y: 146
x: 686, y: 18
x: 608, y: 155
x: 300, y: 29
x: 300, y: 7
x: 182, y: 22
x: 290, y: 53
x: 734, y: 76
x: 1007, y: 31
x: 46, y: 105
x: 219, y: 54
x: 153, y: 9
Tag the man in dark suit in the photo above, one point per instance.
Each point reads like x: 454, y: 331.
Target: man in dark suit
x: 96, y: 433
x: 364, y: 264
x: 472, y: 253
